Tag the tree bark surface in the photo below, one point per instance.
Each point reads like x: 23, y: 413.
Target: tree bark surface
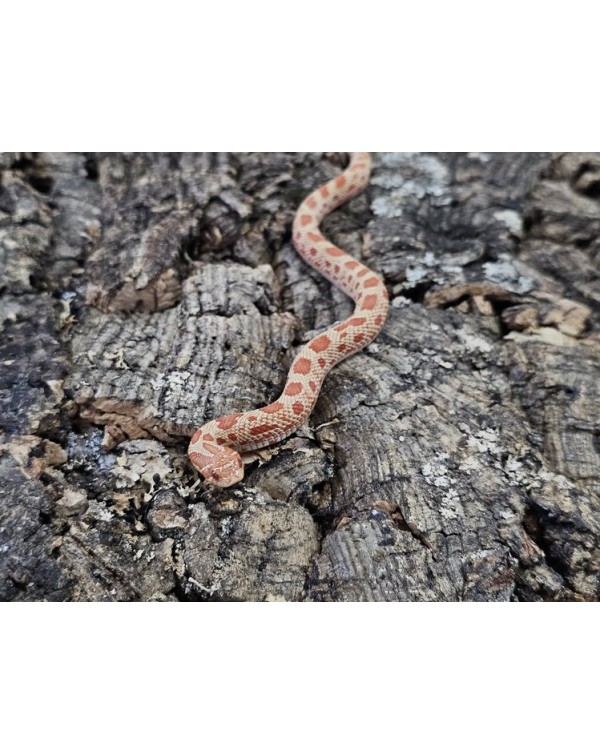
x: 456, y: 458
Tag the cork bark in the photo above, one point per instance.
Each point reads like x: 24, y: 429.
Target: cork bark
x: 456, y: 458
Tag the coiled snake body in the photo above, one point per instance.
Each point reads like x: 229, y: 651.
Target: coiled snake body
x: 215, y: 448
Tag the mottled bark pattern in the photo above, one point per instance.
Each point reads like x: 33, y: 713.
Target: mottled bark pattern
x: 456, y: 458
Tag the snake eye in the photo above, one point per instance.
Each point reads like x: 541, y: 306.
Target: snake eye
x: 215, y: 476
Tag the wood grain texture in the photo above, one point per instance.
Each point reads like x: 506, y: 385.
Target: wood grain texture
x: 456, y: 458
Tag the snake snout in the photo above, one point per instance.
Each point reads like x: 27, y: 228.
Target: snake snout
x: 218, y: 464
x: 226, y: 475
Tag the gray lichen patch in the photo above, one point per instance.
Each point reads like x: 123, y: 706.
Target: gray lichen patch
x: 438, y: 219
x: 506, y: 273
x: 408, y: 175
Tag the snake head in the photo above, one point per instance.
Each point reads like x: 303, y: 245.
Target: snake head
x: 218, y: 464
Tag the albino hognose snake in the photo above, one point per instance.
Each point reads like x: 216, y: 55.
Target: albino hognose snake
x: 215, y: 448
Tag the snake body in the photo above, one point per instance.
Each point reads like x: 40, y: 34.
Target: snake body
x: 215, y: 448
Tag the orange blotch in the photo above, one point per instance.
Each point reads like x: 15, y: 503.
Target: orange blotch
x: 324, y: 191
x: 371, y: 282
x: 356, y: 321
x: 352, y: 322
x: 363, y: 272
x: 342, y: 347
x: 378, y: 319
x: 313, y: 251
x: 370, y: 302
x: 351, y: 265
x: 220, y: 441
x: 262, y: 428
x: 334, y: 251
x: 297, y: 408
x: 305, y: 220
x: 209, y: 438
x: 320, y: 344
x: 302, y: 366
x: 322, y: 362
x: 359, y: 336
x: 340, y: 182
x: 232, y: 436
x: 312, y: 385
x: 293, y: 389
x: 227, y: 422
x: 272, y: 408
x: 311, y: 202
x: 197, y: 436
x: 316, y: 237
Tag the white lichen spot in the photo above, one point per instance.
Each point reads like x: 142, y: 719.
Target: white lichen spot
x: 103, y: 515
x: 139, y: 461
x: 179, y: 379
x: 505, y: 273
x: 436, y: 475
x: 399, y: 302
x: 456, y: 271
x: 510, y: 218
x: 175, y: 379
x: 507, y: 515
x: 414, y: 274
x: 473, y: 342
x: 485, y: 441
x: 450, y: 505
x: 451, y: 499
x: 513, y: 465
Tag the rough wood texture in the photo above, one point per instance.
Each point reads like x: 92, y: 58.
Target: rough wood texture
x: 455, y: 459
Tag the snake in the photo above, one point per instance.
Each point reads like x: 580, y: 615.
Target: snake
x: 215, y: 449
